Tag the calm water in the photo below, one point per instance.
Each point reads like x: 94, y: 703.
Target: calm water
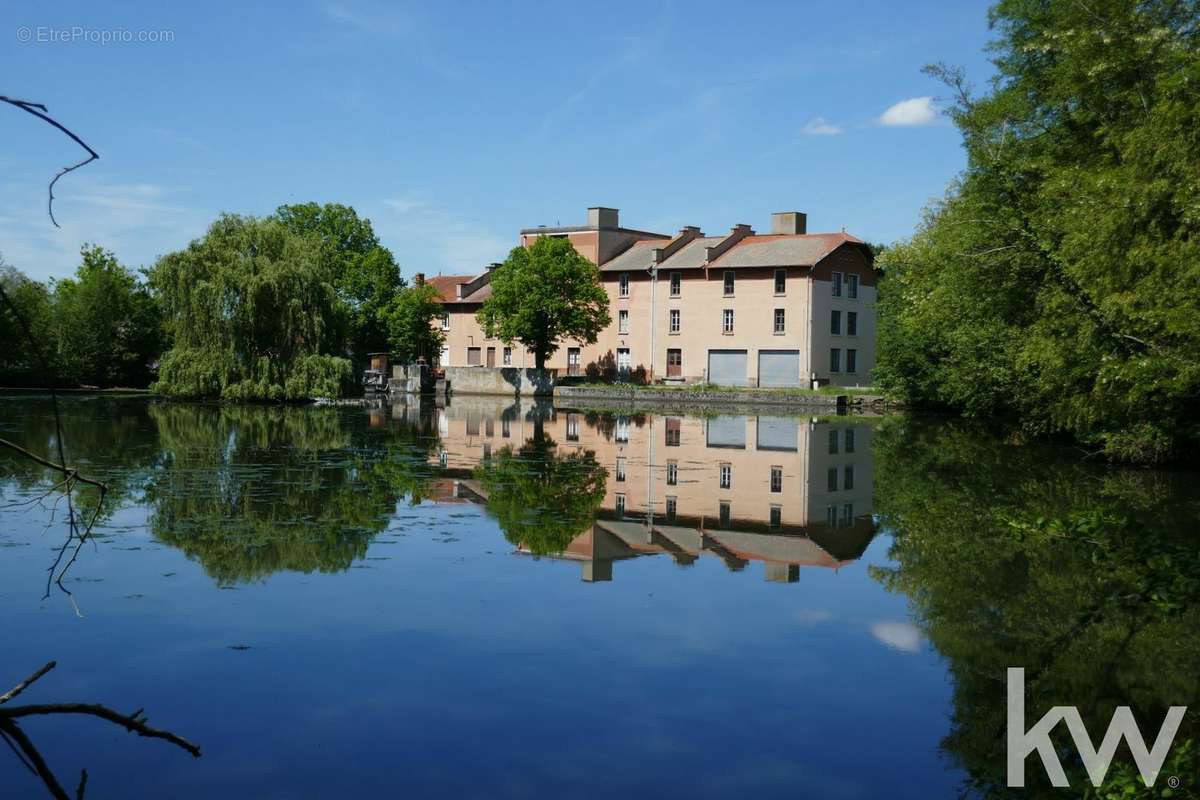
x: 497, y: 600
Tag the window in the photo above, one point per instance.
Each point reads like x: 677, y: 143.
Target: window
x: 849, y: 440
x: 472, y: 426
x: 852, y: 286
x: 776, y: 517
x: 724, y: 513
x: 508, y: 356
x: 445, y: 320
x: 489, y: 427
x: 835, y: 360
x: 852, y: 323
x: 622, y: 433
x: 676, y: 284
x: 674, y: 320
x: 443, y: 459
x: 672, y: 473
x: 779, y: 320
x: 851, y: 360
x: 620, y: 476
x: 505, y: 427
x: 620, y: 505
x: 831, y: 516
x: 780, y: 281
x: 672, y: 505
x: 726, y: 476
x: 848, y: 478
x: 623, y: 285
x: 623, y: 321
x: 833, y: 442
x: 835, y: 322
x: 848, y: 514
x: 474, y: 356
x: 572, y: 427
x: 727, y: 320
x: 837, y: 284
x: 728, y: 283
x: 672, y: 431
x: 776, y: 480
x: 831, y: 480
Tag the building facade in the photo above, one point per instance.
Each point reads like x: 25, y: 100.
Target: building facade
x: 743, y: 309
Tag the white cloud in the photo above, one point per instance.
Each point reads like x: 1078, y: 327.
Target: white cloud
x: 900, y: 636
x: 819, y: 126
x: 909, y: 113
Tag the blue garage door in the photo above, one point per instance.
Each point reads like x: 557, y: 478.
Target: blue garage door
x: 778, y: 367
x: 727, y: 367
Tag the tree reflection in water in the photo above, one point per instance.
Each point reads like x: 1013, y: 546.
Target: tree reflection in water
x: 1013, y: 557
x: 250, y: 490
x: 542, y: 499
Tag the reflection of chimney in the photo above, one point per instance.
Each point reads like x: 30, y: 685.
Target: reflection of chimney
x: 790, y: 222
x: 600, y: 217
x: 781, y: 573
x: 595, y: 571
x: 419, y: 279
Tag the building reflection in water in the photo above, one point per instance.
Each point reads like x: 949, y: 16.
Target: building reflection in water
x: 787, y: 491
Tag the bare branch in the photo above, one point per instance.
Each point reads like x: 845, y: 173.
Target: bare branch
x: 40, y: 111
x: 134, y: 723
x: 23, y: 685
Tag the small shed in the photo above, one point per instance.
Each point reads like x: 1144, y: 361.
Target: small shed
x: 379, y: 362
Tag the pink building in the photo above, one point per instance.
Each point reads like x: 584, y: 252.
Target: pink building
x: 741, y: 309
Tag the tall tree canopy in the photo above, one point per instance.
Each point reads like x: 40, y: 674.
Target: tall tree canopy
x: 253, y: 313
x: 1058, y: 281
x: 365, y: 274
x: 543, y: 294
x: 20, y: 362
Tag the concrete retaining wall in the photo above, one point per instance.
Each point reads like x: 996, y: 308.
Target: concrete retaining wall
x: 510, y: 381
x: 702, y: 396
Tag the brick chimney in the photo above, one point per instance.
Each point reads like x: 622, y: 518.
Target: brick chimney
x: 419, y: 279
x: 600, y: 217
x: 790, y: 222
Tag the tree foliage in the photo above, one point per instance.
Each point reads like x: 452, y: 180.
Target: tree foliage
x: 100, y: 328
x: 544, y: 294
x: 1058, y: 280
x: 254, y: 315
x: 410, y: 319
x: 364, y: 272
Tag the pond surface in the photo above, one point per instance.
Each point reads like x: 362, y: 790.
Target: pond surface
x: 502, y: 600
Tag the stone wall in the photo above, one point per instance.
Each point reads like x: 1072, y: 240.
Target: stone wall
x: 510, y: 381
x: 701, y: 396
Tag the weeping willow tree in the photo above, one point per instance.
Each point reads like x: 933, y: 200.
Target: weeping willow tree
x: 253, y: 314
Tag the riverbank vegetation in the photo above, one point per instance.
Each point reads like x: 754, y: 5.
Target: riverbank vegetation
x: 1057, y: 283
x: 284, y: 307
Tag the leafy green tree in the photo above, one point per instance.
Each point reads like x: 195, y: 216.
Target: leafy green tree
x: 1057, y: 282
x: 253, y: 314
x: 542, y: 499
x: 410, y: 317
x: 25, y: 363
x: 544, y: 294
x: 108, y: 326
x: 365, y: 273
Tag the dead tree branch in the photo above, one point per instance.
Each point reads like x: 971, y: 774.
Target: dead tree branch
x: 28, y: 753
x: 40, y: 111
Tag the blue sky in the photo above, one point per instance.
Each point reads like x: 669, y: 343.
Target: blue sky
x: 453, y: 125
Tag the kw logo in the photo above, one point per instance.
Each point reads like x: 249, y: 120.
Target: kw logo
x: 1096, y: 762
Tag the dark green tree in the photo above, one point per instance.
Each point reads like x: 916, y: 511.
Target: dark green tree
x: 108, y: 327
x: 544, y: 294
x: 365, y: 274
x: 411, y: 330
x: 25, y: 363
x: 1057, y: 282
x: 253, y: 314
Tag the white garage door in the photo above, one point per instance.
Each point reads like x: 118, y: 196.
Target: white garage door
x: 778, y: 367
x: 727, y: 367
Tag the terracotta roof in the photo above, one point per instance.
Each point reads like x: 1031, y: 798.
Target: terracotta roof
x: 445, y: 284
